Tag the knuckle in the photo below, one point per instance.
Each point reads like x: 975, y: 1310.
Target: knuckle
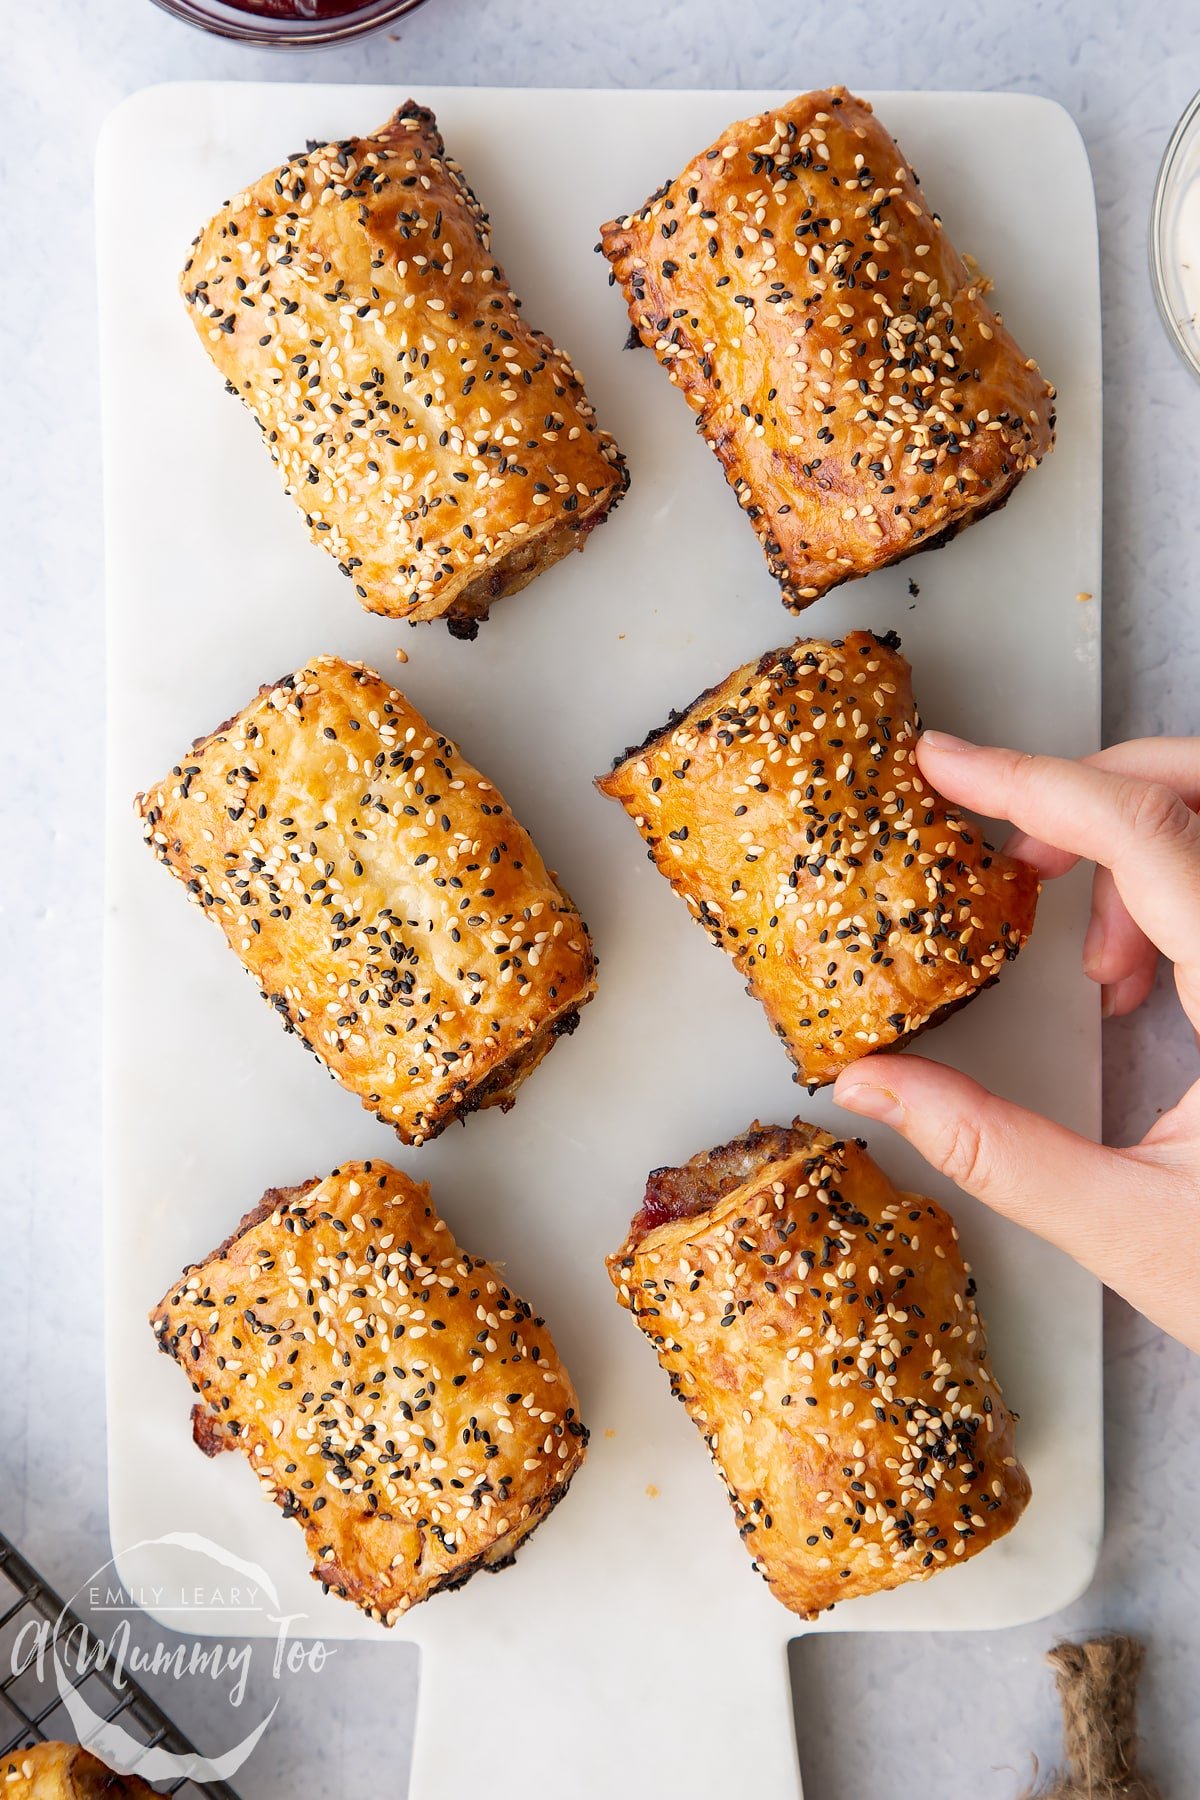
x: 962, y: 1153
x: 1154, y: 810
x: 1027, y: 773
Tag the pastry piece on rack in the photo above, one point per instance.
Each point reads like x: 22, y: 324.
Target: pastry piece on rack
x: 786, y: 807
x: 59, y: 1771
x: 441, y: 449
x: 388, y: 1390
x: 821, y: 1329
x: 391, y: 908
x: 844, y: 365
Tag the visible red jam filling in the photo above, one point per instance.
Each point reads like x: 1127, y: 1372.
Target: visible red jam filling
x: 300, y: 9
x: 680, y: 1194
x: 698, y: 1186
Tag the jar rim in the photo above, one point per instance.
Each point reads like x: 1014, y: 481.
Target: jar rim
x: 222, y: 18
x: 1185, y: 342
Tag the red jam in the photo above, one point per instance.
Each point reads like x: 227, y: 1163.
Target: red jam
x: 313, y: 10
x: 671, y: 1194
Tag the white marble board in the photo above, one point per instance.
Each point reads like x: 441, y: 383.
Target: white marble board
x: 632, y: 1626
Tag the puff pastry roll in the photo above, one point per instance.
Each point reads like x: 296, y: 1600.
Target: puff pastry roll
x: 441, y: 449
x: 786, y: 807
x: 380, y: 891
x: 388, y: 1390
x: 821, y: 1329
x: 65, y: 1772
x: 862, y: 397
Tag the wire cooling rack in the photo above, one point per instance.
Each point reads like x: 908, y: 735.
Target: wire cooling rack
x: 31, y: 1711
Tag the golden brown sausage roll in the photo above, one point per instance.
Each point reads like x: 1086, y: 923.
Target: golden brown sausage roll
x: 380, y: 891
x: 65, y: 1772
x: 786, y: 807
x: 441, y: 449
x: 861, y: 395
x: 388, y: 1390
x: 820, y: 1327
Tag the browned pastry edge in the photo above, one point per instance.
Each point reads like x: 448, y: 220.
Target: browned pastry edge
x: 922, y: 546
x: 503, y: 1084
x: 498, y: 1556
x: 500, y: 1089
x: 902, y: 1041
x: 208, y: 1433
x: 537, y: 552
x: 887, y: 640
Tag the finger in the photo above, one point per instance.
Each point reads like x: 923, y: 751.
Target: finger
x: 1125, y: 996
x: 1175, y: 761
x: 1109, y: 1209
x: 1116, y: 951
x: 1047, y: 859
x: 1144, y: 831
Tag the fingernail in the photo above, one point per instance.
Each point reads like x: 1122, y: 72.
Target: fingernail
x: 1108, y: 1001
x: 943, y: 740
x: 1093, y: 949
x: 872, y: 1101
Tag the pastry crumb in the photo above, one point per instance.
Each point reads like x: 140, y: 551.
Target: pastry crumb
x: 1082, y: 596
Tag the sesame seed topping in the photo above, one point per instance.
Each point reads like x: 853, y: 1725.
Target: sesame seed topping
x: 394, y: 913
x: 389, y: 1390
x: 820, y: 1328
x: 840, y: 354
x: 786, y: 807
x: 440, y: 449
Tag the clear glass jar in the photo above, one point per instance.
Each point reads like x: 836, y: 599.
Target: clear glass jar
x: 1175, y: 237
x: 289, y: 22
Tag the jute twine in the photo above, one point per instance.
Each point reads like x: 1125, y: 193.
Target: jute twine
x: 1097, y: 1686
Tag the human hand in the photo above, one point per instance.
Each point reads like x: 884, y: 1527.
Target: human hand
x: 1131, y: 1216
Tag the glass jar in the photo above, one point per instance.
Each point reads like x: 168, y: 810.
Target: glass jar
x: 1175, y: 237
x: 289, y: 22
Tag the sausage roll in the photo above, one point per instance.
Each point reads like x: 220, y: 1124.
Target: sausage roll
x: 380, y: 891
x: 862, y: 397
x: 65, y: 1772
x: 786, y: 807
x: 441, y: 449
x: 820, y: 1327
x: 389, y: 1391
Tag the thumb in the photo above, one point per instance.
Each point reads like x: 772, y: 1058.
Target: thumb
x: 1079, y: 1196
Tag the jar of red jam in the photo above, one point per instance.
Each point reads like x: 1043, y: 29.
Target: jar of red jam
x: 289, y: 21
